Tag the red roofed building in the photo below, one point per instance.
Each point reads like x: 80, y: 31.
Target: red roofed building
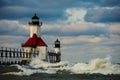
x: 35, y: 42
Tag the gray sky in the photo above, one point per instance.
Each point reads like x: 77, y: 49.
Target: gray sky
x: 87, y: 29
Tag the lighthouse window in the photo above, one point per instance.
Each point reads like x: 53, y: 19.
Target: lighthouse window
x: 34, y: 20
x: 57, y: 42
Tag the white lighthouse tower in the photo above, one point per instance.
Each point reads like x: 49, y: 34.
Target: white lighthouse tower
x: 35, y: 42
x: 57, y: 50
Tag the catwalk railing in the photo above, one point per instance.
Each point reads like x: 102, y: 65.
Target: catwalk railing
x: 54, y: 57
x: 15, y: 56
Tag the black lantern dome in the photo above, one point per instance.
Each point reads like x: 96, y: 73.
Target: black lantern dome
x: 35, y: 20
x: 35, y: 17
x: 57, y: 43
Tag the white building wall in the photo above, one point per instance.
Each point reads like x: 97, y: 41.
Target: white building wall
x: 42, y: 52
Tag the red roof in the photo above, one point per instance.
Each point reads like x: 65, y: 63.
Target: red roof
x: 34, y: 42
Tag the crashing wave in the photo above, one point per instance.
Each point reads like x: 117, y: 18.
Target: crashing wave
x: 102, y: 66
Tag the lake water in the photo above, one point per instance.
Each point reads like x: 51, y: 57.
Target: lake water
x: 96, y: 69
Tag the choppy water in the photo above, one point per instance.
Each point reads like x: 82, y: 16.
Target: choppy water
x: 96, y: 69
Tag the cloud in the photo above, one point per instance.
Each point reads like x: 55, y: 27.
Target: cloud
x: 21, y: 12
x: 87, y: 47
x: 114, y: 28
x: 112, y: 40
x: 110, y: 3
x: 82, y: 28
x: 14, y: 12
x: 21, y: 9
x: 74, y: 25
x: 8, y: 27
x: 38, y: 3
x: 75, y: 15
x: 50, y: 11
x: 81, y: 39
x: 11, y: 41
x: 103, y: 14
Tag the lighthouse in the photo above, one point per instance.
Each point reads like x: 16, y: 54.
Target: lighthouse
x: 57, y: 50
x: 55, y: 56
x: 57, y: 47
x: 35, y: 42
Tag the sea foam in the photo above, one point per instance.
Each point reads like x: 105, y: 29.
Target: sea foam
x: 99, y: 65
x: 103, y: 66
